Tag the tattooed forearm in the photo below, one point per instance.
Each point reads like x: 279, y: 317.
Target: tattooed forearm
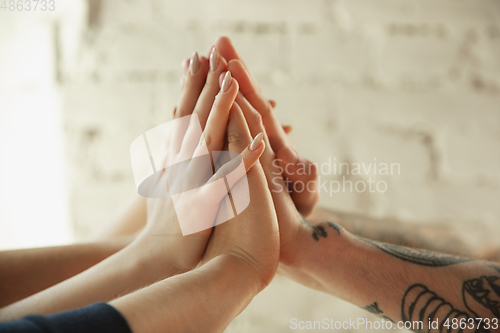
x: 416, y: 256
x: 482, y: 293
x: 481, y: 298
x: 440, y: 238
x: 421, y: 304
x: 495, y: 267
x: 319, y: 231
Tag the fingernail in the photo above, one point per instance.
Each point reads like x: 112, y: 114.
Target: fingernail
x: 214, y: 59
x: 256, y: 141
x: 195, y: 63
x: 227, y: 81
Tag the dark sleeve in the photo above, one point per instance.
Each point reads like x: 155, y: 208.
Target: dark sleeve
x: 95, y: 318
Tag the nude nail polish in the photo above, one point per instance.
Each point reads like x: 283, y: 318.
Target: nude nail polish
x: 214, y: 59
x: 194, y: 63
x: 226, y: 83
x: 256, y: 141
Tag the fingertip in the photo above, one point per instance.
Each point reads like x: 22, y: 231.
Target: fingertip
x: 232, y: 85
x: 185, y: 65
x: 256, y: 141
x: 252, y: 156
x: 287, y: 128
x: 223, y: 39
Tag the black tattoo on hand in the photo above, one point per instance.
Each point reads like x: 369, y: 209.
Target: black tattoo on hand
x: 373, y: 308
x: 417, y: 256
x: 319, y: 231
x: 481, y: 293
x: 495, y: 267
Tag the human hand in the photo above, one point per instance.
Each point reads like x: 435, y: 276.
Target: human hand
x: 291, y: 223
x: 252, y: 236
x: 188, y: 149
x: 306, y: 195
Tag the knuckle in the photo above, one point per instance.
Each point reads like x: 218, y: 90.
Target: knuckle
x: 267, y: 109
x: 257, y: 118
x: 234, y: 137
x: 207, y: 139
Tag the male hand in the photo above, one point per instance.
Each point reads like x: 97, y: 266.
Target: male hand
x: 290, y: 162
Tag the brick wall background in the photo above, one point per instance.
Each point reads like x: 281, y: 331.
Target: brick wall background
x: 409, y: 82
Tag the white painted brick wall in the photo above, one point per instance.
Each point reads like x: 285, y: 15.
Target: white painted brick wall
x: 412, y: 82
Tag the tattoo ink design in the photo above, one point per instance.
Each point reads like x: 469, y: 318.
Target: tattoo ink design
x: 495, y: 267
x: 420, y: 303
x: 417, y: 256
x: 373, y: 308
x: 481, y: 293
x: 319, y: 231
x: 335, y: 226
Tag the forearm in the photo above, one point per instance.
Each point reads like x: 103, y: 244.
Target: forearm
x: 206, y: 299
x: 439, y: 238
x: 28, y: 271
x: 397, y: 283
x: 117, y: 275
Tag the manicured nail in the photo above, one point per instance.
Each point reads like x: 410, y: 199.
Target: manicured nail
x: 214, y: 59
x: 256, y: 141
x: 227, y: 81
x: 195, y: 63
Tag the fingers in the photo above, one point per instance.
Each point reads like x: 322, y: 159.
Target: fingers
x: 213, y: 135
x: 217, y: 66
x: 287, y: 128
x: 255, y: 124
x: 226, y: 48
x: 239, y: 141
x: 252, y: 93
x: 303, y: 175
x: 238, y: 133
x: 193, y: 84
x: 300, y: 172
x: 249, y: 157
x: 185, y: 65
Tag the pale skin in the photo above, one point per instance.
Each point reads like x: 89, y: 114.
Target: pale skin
x: 148, y: 258
x: 394, y: 282
x: 241, y: 259
x: 387, y: 280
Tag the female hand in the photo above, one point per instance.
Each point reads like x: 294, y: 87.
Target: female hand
x: 252, y: 236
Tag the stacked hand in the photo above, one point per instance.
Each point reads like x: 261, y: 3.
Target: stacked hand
x: 253, y: 235
x: 220, y: 108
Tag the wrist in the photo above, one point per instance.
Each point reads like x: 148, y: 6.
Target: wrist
x: 147, y: 264
x: 317, y: 248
